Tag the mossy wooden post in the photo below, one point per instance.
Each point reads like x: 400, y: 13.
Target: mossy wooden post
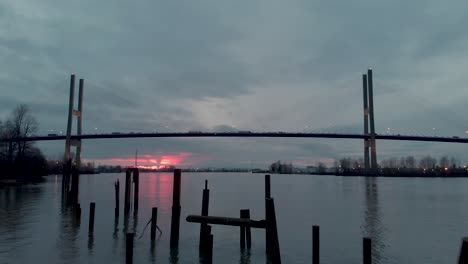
x: 175, y: 221
x: 367, y: 250
x: 136, y: 181
x: 315, y: 244
x: 204, y: 212
x: 129, y: 248
x: 154, y: 222
x: 463, y: 258
x: 117, y: 194
x: 92, y: 208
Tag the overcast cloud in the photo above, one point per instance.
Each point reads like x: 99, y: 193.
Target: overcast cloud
x: 263, y: 65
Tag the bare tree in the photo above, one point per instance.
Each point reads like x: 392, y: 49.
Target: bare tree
x: 321, y: 168
x: 410, y: 162
x: 21, y: 124
x: 427, y: 162
x: 444, y: 162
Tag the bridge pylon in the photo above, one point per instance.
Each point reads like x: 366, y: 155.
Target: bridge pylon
x: 369, y: 123
x: 71, y: 167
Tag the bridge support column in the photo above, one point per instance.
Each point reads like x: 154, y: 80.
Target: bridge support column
x: 366, y: 123
x: 68, y: 163
x: 373, y: 146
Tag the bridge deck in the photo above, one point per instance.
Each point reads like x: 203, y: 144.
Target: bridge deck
x: 248, y: 134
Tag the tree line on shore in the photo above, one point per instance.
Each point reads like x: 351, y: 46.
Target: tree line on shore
x: 19, y: 158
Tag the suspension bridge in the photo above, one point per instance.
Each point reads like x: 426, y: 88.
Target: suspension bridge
x: 369, y: 135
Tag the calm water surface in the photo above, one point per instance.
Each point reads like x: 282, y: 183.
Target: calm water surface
x: 410, y: 220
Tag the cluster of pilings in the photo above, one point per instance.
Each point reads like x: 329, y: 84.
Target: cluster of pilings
x: 245, y: 224
x: 176, y: 209
x: 206, y: 236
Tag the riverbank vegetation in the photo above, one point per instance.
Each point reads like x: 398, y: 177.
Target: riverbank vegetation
x: 20, y: 159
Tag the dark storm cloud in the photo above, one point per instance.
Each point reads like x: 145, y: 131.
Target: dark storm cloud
x: 248, y: 65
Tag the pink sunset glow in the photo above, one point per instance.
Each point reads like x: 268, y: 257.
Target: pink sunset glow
x: 156, y: 161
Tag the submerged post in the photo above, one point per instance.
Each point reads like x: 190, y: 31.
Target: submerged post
x: 154, y: 222
x: 175, y: 221
x: 91, y: 217
x: 315, y: 244
x: 129, y: 248
x: 367, y: 250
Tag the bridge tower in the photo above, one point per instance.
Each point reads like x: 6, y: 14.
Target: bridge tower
x: 373, y: 149
x: 69, y: 165
x: 366, y: 123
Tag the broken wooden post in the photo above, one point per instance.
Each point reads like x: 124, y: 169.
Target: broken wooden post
x: 91, y: 217
x: 245, y: 234
x: 117, y: 193
x: 315, y: 244
x: 129, y: 248
x: 175, y: 220
x: 463, y: 258
x: 136, y: 181
x: 204, y: 212
x: 367, y: 250
x: 272, y: 232
x: 128, y: 188
x: 154, y: 222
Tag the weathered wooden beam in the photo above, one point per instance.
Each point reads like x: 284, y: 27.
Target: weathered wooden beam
x: 229, y: 221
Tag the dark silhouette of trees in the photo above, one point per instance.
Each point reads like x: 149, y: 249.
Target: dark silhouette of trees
x: 20, y: 158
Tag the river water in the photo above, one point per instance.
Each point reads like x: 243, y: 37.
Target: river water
x: 411, y: 220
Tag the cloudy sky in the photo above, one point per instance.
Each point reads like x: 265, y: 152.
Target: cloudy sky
x: 260, y: 65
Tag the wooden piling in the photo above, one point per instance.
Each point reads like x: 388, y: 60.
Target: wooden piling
x: 136, y: 181
x: 175, y: 221
x: 242, y: 232
x: 210, y: 249
x: 463, y: 258
x: 129, y: 248
x: 246, y: 236
x: 267, y: 186
x: 367, y: 250
x: 91, y: 217
x: 315, y: 244
x: 77, y: 211
x: 117, y: 193
x: 204, y: 212
x: 75, y: 180
x: 128, y: 185
x: 272, y: 232
x: 267, y: 196
x: 154, y: 222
